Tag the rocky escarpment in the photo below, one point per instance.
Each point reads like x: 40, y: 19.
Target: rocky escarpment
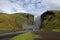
x: 15, y: 21
x: 50, y: 20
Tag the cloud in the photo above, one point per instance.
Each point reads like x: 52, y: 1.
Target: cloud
x: 9, y: 7
x: 35, y: 7
x: 53, y: 4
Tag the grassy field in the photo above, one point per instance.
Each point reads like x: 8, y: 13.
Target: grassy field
x: 56, y: 30
x: 26, y: 36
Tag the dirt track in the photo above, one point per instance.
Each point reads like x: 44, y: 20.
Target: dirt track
x: 45, y: 35
x: 48, y: 35
x: 7, y: 36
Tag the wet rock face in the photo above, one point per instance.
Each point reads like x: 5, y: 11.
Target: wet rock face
x: 30, y: 19
x: 50, y: 20
x: 15, y: 21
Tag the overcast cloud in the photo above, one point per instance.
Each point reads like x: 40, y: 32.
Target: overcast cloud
x: 36, y: 7
x: 53, y: 4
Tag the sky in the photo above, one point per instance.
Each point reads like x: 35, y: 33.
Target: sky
x: 35, y: 7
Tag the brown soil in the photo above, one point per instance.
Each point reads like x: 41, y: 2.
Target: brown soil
x: 48, y: 35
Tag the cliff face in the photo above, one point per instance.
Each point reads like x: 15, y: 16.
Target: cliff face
x: 15, y: 21
x: 50, y: 20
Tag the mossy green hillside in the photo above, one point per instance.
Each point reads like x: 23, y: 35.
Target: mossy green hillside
x: 51, y: 20
x: 14, y: 21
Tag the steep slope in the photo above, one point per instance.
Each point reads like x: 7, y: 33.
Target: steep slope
x: 15, y: 21
x: 51, y: 20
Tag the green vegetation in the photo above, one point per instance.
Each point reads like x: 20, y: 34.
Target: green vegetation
x: 15, y: 21
x: 26, y: 36
x: 51, y: 20
x: 56, y: 30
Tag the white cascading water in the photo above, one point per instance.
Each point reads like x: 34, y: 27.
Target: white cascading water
x: 35, y: 26
x: 37, y: 22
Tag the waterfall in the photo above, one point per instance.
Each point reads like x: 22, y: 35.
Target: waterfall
x: 37, y: 22
x: 35, y: 26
